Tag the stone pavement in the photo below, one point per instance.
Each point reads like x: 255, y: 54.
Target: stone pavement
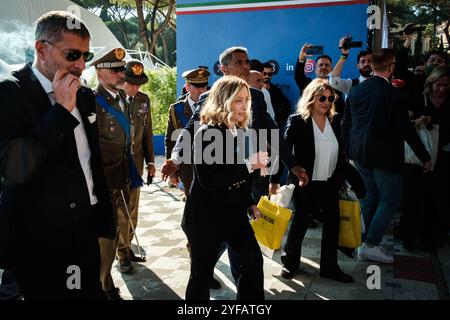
x: 414, y: 275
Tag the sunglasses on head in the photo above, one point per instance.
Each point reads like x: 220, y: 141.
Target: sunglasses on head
x: 73, y: 54
x: 323, y: 98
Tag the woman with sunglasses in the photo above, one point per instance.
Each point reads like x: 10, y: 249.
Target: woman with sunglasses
x: 314, y: 132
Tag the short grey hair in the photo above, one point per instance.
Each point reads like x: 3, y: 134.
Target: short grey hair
x: 226, y: 56
x: 51, y: 26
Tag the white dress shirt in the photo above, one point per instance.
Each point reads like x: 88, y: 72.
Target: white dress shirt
x: 268, y: 103
x: 83, y: 150
x: 327, y: 150
x: 343, y: 85
x: 191, y: 104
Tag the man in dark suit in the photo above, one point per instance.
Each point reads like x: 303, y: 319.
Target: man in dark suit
x: 54, y: 200
x: 375, y: 127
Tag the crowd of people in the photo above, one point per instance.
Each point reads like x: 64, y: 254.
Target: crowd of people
x: 78, y: 157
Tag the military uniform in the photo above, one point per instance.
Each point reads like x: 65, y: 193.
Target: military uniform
x: 179, y: 114
x: 141, y: 143
x: 114, y: 149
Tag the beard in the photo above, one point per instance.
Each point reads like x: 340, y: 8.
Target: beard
x: 366, y: 72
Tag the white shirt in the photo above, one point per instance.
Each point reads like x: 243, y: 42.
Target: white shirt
x: 114, y: 95
x: 343, y: 85
x: 191, y: 104
x: 83, y: 150
x: 327, y: 150
x: 268, y: 103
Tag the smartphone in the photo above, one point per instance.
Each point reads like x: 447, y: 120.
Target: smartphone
x: 314, y: 50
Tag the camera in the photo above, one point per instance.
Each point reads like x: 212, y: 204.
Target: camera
x: 349, y: 43
x: 410, y: 28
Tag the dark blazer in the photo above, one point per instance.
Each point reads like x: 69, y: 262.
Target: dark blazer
x: 173, y: 123
x: 376, y: 125
x: 44, y: 195
x: 260, y: 120
x: 220, y: 193
x: 300, y: 136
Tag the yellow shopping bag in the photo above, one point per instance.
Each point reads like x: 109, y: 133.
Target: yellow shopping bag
x: 270, y: 228
x: 350, y: 223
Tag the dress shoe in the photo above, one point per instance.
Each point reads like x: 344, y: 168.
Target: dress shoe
x: 125, y: 265
x: 113, y: 294
x: 287, y: 274
x: 337, y: 275
x: 135, y: 258
x: 214, y: 284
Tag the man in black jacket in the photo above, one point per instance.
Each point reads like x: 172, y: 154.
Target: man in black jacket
x: 375, y: 127
x: 54, y: 203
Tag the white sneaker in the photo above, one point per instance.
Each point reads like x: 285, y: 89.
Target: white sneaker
x: 376, y: 253
x: 358, y: 255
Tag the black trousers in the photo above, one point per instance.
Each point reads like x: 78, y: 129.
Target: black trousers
x: 204, y: 250
x: 322, y: 195
x: 424, y: 211
x: 55, y: 275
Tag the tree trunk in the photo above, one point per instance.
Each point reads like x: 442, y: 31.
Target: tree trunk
x: 156, y: 33
x: 142, y: 25
x: 447, y: 33
x: 165, y: 49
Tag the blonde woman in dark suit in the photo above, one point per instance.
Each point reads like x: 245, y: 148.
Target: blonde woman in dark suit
x: 220, y: 198
x: 314, y: 132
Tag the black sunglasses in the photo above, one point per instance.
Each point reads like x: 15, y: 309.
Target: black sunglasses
x: 268, y: 73
x: 73, y: 54
x: 117, y: 69
x: 323, y: 98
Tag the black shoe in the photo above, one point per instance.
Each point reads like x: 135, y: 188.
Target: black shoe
x: 214, y: 284
x: 113, y: 294
x: 287, y: 274
x: 134, y: 258
x: 125, y: 265
x: 337, y: 275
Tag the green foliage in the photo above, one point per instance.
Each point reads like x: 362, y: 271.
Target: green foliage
x: 161, y: 88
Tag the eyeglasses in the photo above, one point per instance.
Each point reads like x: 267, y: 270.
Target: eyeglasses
x: 323, y: 98
x: 73, y: 54
x: 268, y: 74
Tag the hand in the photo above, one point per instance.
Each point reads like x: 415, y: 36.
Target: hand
x: 151, y: 169
x: 254, y: 211
x: 341, y: 43
x: 168, y: 168
x: 427, y: 165
x: 303, y: 54
x: 65, y: 86
x: 301, y: 174
x: 273, y: 188
x: 174, y: 179
x: 259, y: 160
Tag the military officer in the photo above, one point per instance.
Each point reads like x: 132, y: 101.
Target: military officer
x: 141, y: 145
x: 114, y: 134
x: 179, y: 115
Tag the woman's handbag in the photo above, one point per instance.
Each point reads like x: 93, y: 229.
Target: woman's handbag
x: 350, y: 221
x: 270, y: 227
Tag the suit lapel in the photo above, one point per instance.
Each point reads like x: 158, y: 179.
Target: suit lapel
x: 187, y: 108
x: 38, y: 98
x: 309, y: 132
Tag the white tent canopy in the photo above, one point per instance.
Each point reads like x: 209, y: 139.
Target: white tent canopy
x: 17, y: 19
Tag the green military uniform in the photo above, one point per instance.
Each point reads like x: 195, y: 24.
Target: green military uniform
x: 114, y: 149
x: 179, y: 114
x: 141, y: 142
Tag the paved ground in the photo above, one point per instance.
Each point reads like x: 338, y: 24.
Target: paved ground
x: 414, y: 275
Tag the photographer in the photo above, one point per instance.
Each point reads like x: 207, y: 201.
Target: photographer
x: 434, y: 58
x: 364, y: 60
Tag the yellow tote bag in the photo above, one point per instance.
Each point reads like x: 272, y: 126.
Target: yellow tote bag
x: 350, y: 223
x: 270, y: 228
